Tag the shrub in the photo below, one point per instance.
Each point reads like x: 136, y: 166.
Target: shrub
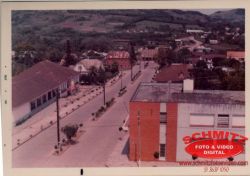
x: 156, y: 155
x: 70, y: 131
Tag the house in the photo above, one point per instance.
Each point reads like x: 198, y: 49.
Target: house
x: 173, y: 73
x: 194, y: 31
x: 238, y: 55
x: 162, y: 114
x: 148, y: 54
x: 213, y: 41
x: 36, y: 87
x: 85, y: 65
x: 122, y: 58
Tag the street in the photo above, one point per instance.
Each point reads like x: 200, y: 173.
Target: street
x: 94, y: 147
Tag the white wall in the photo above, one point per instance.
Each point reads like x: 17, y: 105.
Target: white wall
x: 20, y: 111
x: 184, y: 129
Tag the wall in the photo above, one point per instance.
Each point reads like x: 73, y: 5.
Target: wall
x: 184, y: 129
x: 149, y: 130
x: 20, y: 112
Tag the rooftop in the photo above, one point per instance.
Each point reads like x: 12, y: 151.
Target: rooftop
x: 172, y: 92
x: 236, y: 54
x: 37, y: 80
x: 174, y: 73
x: 118, y: 55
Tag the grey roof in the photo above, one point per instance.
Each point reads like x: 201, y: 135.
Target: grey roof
x: 37, y: 80
x: 172, y: 92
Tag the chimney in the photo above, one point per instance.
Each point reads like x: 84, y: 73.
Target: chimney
x: 188, y: 85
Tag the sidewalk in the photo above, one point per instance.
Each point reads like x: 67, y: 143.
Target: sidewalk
x: 47, y: 117
x: 119, y: 156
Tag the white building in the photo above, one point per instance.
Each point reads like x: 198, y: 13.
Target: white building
x: 36, y: 87
x: 84, y: 66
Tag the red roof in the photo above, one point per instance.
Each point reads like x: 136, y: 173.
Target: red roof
x: 118, y: 55
x: 236, y: 54
x: 174, y: 73
x: 37, y: 80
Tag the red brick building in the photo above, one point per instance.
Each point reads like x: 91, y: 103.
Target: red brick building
x: 161, y: 114
x: 122, y: 58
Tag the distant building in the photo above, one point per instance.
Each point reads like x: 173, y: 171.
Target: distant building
x: 35, y: 88
x: 91, y: 54
x: 161, y: 114
x: 85, y: 65
x: 195, y: 31
x: 238, y: 55
x: 213, y: 42
x: 122, y: 58
x: 148, y: 54
x: 173, y: 73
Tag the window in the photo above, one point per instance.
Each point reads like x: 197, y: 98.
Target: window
x: 201, y: 120
x: 238, y: 121
x: 49, y: 95
x: 163, y: 117
x: 53, y: 93
x: 162, y: 150
x: 223, y: 121
x: 44, y: 98
x: 38, y: 102
x: 33, y: 105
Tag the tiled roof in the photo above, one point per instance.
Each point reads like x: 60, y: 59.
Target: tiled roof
x: 118, y: 55
x: 236, y: 54
x: 37, y: 80
x: 174, y: 72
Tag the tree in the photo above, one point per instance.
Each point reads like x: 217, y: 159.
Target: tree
x: 70, y: 131
x: 132, y: 58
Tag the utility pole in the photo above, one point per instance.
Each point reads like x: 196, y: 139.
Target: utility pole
x: 104, y: 98
x: 121, y: 78
x: 104, y: 91
x: 139, y: 138
x: 58, y: 117
x: 132, y: 58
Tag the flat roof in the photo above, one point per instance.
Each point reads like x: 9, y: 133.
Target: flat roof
x: 172, y: 92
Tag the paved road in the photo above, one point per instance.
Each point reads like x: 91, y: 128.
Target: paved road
x: 95, y: 145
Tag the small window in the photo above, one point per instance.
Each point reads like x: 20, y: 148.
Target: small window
x: 44, y: 98
x: 162, y: 150
x: 223, y: 121
x: 163, y: 117
x: 38, y: 102
x: 49, y: 95
x: 33, y: 105
x: 53, y: 93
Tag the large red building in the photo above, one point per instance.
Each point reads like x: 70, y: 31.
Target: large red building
x: 161, y: 114
x: 122, y: 58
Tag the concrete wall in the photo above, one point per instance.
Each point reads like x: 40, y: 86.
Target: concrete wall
x: 184, y: 128
x: 20, y: 112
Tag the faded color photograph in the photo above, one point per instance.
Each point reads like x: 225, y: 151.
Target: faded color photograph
x: 121, y: 88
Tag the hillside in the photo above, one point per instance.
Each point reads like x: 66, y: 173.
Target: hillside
x: 235, y: 15
x: 46, y: 32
